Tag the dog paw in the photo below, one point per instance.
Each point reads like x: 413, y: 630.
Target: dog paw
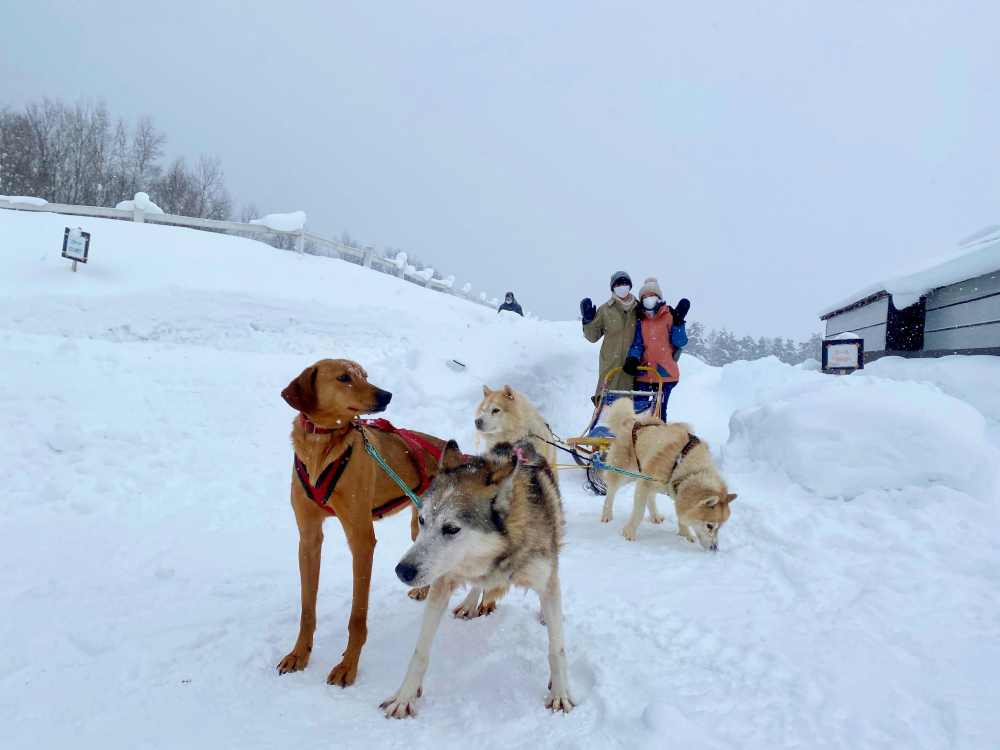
x: 343, y: 674
x: 487, y: 608
x: 657, y: 518
x: 293, y: 662
x: 463, y: 612
x: 400, y: 706
x: 418, y: 594
x: 629, y: 533
x: 606, y: 517
x: 559, y: 701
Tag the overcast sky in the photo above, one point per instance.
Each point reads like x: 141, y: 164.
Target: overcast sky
x: 762, y: 159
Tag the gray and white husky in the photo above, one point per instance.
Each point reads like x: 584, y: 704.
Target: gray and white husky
x: 489, y: 521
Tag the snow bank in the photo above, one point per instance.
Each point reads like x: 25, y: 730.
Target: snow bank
x: 979, y: 254
x: 290, y: 222
x: 25, y: 199
x: 975, y: 380
x: 145, y: 466
x: 142, y: 202
x: 856, y: 435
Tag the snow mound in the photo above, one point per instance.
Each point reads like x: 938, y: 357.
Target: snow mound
x: 294, y: 221
x: 142, y: 202
x: 854, y: 435
x: 846, y: 335
x: 24, y: 199
x: 971, y: 379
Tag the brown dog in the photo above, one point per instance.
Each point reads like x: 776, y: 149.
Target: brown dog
x: 334, y: 475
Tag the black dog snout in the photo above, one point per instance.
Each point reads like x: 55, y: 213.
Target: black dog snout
x: 406, y: 572
x: 382, y: 399
x: 479, y: 423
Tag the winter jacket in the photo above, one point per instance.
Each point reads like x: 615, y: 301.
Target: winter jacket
x: 654, y: 343
x: 615, y: 321
x: 513, y: 306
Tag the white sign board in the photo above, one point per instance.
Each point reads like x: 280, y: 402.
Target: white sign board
x: 843, y: 355
x: 76, y: 244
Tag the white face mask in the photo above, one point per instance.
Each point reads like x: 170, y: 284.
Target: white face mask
x: 622, y: 291
x: 650, y: 302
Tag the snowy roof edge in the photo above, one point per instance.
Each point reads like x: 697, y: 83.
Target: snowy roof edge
x: 979, y: 254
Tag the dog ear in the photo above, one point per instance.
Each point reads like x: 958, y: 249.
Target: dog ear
x: 486, y: 391
x: 730, y: 497
x: 500, y: 464
x: 451, y: 457
x: 300, y: 394
x: 711, y: 501
x: 508, y: 392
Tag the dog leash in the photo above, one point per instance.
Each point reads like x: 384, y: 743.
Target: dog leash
x: 372, y: 451
x: 601, y: 466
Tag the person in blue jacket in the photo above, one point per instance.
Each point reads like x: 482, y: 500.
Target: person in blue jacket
x: 656, y: 346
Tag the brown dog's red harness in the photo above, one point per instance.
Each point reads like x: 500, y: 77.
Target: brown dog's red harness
x: 417, y: 446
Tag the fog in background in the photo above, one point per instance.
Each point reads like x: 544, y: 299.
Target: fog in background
x: 762, y: 159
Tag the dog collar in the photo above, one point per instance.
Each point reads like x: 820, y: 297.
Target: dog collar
x: 312, y: 428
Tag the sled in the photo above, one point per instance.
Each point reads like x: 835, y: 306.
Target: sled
x: 596, y: 439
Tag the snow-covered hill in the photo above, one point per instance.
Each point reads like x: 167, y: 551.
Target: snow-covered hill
x: 148, y: 578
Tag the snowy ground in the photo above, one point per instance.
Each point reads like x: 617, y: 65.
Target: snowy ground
x: 148, y: 579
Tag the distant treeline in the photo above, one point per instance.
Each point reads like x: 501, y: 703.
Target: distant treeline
x: 722, y: 347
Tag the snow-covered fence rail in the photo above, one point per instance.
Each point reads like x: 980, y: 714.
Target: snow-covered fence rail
x: 317, y: 244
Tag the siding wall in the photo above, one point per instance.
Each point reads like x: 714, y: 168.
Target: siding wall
x: 868, y: 322
x: 964, y: 315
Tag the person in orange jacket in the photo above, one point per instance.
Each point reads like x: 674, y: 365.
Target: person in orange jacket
x: 659, y: 337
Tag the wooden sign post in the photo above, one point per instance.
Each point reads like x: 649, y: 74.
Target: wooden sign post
x: 76, y: 245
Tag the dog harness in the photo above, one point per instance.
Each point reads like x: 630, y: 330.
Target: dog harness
x: 693, y: 440
x: 417, y: 446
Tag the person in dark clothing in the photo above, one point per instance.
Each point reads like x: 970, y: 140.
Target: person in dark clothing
x: 509, y: 303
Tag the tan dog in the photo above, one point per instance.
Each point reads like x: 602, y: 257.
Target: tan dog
x: 505, y: 416
x: 683, y: 465
x: 333, y: 475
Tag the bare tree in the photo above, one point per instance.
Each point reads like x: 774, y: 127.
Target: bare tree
x: 247, y: 212
x: 147, y: 148
x: 212, y: 200
x: 174, y: 191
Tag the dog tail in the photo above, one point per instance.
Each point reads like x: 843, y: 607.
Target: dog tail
x: 621, y: 416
